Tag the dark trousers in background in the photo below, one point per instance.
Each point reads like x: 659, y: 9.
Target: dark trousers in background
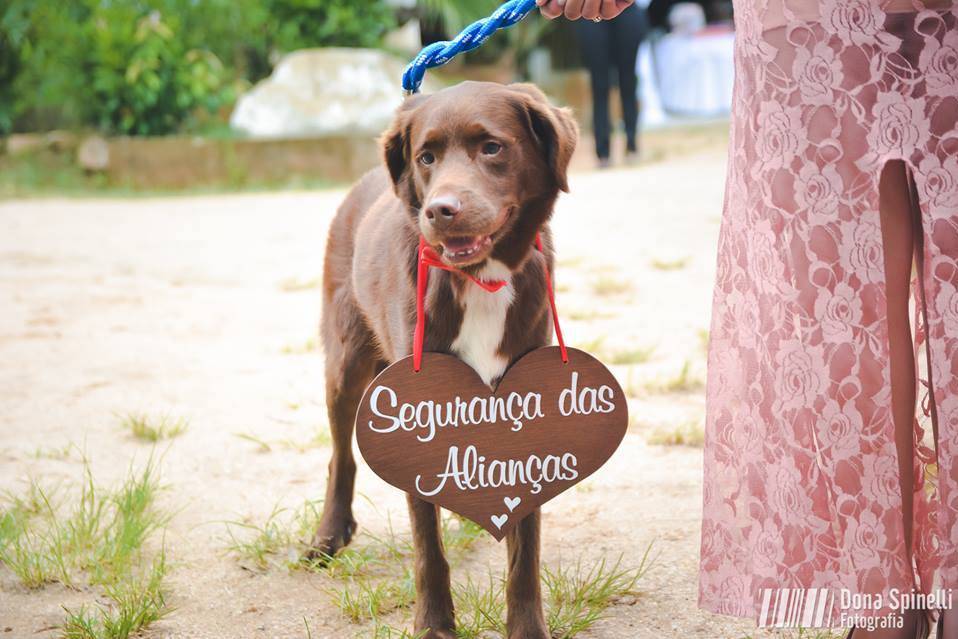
x: 606, y: 45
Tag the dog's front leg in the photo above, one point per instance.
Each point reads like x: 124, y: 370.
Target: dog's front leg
x: 434, y: 610
x: 350, y: 366
x: 525, y: 619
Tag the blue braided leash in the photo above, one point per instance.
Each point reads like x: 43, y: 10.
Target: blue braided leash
x: 472, y: 37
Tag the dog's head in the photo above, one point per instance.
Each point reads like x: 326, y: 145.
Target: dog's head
x: 480, y: 166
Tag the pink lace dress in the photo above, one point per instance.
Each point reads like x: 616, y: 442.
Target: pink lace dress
x: 801, y: 475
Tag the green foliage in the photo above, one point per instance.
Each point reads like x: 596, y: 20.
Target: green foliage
x: 145, y: 81
x: 44, y: 42
x: 456, y: 14
x: 153, y: 428
x: 115, y: 65
x: 324, y: 23
x: 153, y: 67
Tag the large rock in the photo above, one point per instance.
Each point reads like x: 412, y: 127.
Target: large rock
x: 323, y: 91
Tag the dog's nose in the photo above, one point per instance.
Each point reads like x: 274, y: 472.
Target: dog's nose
x: 443, y: 209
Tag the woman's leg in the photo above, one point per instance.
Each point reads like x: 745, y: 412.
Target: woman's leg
x: 628, y: 32
x: 898, y: 239
x: 594, y: 40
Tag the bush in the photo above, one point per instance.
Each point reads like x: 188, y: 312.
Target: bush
x: 146, y: 67
x: 110, y: 65
x: 327, y: 23
x: 144, y: 79
x: 45, y: 81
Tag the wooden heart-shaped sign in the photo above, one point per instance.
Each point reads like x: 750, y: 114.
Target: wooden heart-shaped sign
x: 492, y: 456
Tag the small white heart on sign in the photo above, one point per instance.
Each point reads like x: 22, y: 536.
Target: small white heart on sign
x: 499, y: 520
x: 511, y: 502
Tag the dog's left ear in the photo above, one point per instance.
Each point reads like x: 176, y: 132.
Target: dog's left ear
x: 553, y: 128
x: 396, y: 151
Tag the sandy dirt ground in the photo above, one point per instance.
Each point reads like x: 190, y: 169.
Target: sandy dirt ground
x: 207, y: 308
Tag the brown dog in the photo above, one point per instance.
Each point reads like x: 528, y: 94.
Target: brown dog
x: 476, y: 170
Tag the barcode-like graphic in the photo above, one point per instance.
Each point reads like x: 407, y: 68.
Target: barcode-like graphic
x: 796, y: 607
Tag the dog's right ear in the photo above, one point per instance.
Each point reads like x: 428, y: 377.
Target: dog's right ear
x: 397, y: 152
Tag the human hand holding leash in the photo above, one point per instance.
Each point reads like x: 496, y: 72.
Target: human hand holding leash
x: 590, y: 9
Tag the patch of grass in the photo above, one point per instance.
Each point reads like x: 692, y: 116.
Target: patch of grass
x: 370, y: 556
x: 607, y: 286
x: 130, y: 519
x: 35, y: 545
x: 632, y: 356
x: 586, y: 315
x: 320, y: 439
x: 355, y: 560
x: 585, y: 487
x: 309, y: 346
x: 26, y: 556
x: 704, y: 336
x: 570, y: 262
x: 134, y: 602
x: 575, y: 598
x: 152, y: 429
x: 296, y: 284
x: 364, y: 598
x: 376, y: 580
x: 375, y: 577
x: 374, y: 573
x: 460, y: 534
x: 682, y: 382
x: 385, y: 631
x: 262, y: 446
x: 688, y: 433
x: 53, y: 452
x: 285, y: 532
x: 96, y: 536
x: 670, y: 265
x: 480, y: 608
x: 593, y: 345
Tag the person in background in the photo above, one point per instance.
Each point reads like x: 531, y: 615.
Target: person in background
x: 606, y: 45
x: 611, y: 39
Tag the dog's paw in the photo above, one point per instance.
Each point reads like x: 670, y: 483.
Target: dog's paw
x: 330, y: 538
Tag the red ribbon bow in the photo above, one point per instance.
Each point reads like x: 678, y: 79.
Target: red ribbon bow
x: 428, y: 258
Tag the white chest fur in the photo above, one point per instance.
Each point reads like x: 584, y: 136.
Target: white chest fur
x: 483, y: 324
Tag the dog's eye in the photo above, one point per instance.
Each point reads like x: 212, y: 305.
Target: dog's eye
x: 427, y: 158
x: 491, y: 148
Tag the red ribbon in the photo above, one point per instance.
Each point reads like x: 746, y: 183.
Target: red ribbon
x: 428, y: 258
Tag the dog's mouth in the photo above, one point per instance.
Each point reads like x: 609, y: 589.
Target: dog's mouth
x: 463, y: 250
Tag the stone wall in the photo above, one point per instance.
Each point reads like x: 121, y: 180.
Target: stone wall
x: 176, y: 162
